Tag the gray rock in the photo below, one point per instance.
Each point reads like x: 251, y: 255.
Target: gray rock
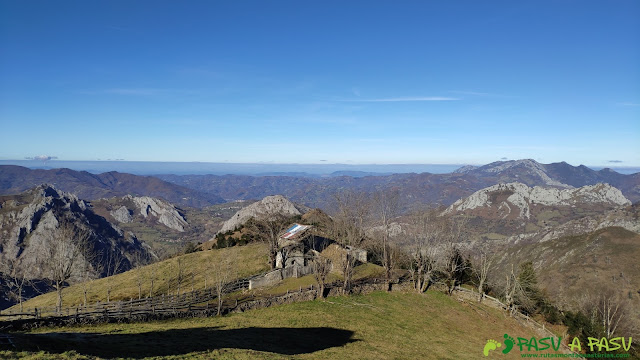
x: 523, y: 196
x: 164, y: 212
x: 276, y: 204
x: 29, y: 223
x: 122, y: 214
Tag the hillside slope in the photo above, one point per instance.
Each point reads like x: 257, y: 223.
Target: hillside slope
x: 195, y: 270
x: 376, y: 326
x: 573, y: 269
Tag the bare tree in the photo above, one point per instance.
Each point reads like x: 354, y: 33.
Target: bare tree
x: 113, y: 264
x: 483, y: 265
x: 352, y: 210
x: 453, y: 265
x: 90, y: 257
x: 140, y: 259
x: 152, y: 273
x: 64, y: 251
x: 179, y: 275
x: 16, y: 281
x: 269, y: 227
x: 611, y: 311
x: 321, y: 269
x: 426, y: 230
x: 386, y: 208
x: 222, y: 272
x: 515, y: 294
x: 608, y: 307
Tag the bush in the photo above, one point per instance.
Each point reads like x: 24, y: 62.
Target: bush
x: 190, y: 248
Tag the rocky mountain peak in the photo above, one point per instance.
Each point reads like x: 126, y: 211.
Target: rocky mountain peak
x: 275, y: 204
x: 524, y: 168
x: 465, y: 169
x: 517, y: 199
x: 149, y: 208
x: 29, y: 223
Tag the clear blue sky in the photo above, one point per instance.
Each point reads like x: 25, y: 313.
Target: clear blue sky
x: 321, y: 81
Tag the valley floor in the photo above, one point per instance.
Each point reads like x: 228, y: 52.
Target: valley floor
x: 380, y: 325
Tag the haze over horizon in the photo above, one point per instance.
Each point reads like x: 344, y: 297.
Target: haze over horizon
x: 257, y: 169
x: 285, y: 82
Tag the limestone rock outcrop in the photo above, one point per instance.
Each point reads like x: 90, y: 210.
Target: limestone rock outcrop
x: 276, y: 204
x: 516, y: 199
x: 29, y: 224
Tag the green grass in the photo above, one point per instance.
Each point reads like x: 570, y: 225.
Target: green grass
x: 362, y: 271
x: 196, y: 267
x: 376, y: 326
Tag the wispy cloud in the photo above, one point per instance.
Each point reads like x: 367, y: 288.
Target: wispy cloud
x: 137, y: 91
x: 405, y: 99
x: 200, y: 72
x: 41, y: 158
x: 478, y: 93
x: 615, y: 161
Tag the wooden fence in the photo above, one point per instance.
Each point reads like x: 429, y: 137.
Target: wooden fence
x: 190, y: 301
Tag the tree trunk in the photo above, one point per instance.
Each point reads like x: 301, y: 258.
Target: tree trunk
x: 59, y: 292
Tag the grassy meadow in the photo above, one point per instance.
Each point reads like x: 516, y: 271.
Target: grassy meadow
x: 196, y: 269
x: 380, y: 325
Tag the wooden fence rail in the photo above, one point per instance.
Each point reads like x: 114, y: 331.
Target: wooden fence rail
x: 194, y: 300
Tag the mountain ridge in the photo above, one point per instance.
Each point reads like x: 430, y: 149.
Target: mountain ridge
x: 16, y: 179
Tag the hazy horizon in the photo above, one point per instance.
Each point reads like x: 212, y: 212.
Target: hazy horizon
x: 253, y: 169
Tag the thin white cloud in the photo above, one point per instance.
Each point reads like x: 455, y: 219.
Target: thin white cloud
x: 478, y: 93
x: 135, y: 91
x: 404, y: 99
x: 42, y: 158
x: 138, y: 91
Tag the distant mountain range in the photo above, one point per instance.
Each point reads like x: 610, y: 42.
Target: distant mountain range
x: 415, y: 189
x: 16, y: 179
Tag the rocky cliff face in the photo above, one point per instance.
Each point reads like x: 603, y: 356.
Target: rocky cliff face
x: 624, y: 217
x: 29, y: 223
x: 131, y: 209
x: 276, y: 204
x: 164, y: 212
x: 517, y: 200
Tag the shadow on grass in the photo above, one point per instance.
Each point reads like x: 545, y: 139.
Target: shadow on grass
x: 287, y: 341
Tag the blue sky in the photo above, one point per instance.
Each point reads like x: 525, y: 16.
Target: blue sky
x: 322, y: 81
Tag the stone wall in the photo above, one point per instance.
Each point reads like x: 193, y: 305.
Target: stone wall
x: 275, y: 276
